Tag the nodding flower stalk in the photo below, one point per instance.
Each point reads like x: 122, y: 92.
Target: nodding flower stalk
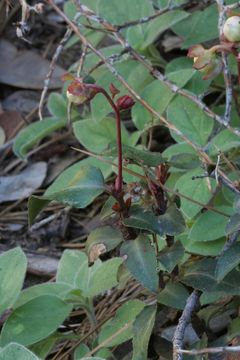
x: 79, y: 92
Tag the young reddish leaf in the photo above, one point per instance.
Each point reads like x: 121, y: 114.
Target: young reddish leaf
x: 113, y: 90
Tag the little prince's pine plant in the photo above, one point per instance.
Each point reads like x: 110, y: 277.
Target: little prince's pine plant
x: 162, y: 139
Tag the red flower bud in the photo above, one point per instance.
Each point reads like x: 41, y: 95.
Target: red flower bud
x: 125, y: 102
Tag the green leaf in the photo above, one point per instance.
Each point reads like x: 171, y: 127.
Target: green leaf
x: 57, y: 106
x: 142, y: 329
x: 190, y: 120
x: 97, y: 136
x: 143, y: 219
x: 227, y: 261
x: 172, y: 222
x: 33, y: 133
x: 225, y: 140
x: 120, y: 328
x: 179, y: 70
x: 213, y: 221
x: 13, y: 266
x: 140, y: 259
x: 201, y: 275
x: 72, y: 263
x: 137, y: 156
x: 181, y: 77
x: 35, y: 205
x: 104, y: 278
x: 43, y: 347
x: 174, y: 295
x: 197, y: 190
x: 205, y: 248
x: 160, y: 24
x: 194, y: 29
x: 171, y: 256
x: 80, y: 351
x: 184, y: 161
x: 233, y: 224
x: 16, y: 351
x: 35, y: 291
x: 127, y: 10
x: 35, y: 320
x: 158, y: 95
x: 77, y: 186
x: 107, y: 236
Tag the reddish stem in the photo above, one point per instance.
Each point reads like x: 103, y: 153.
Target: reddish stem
x: 98, y: 89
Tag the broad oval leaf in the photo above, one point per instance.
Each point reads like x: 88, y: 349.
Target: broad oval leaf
x: 138, y: 156
x: 105, y: 238
x: 57, y: 289
x: 142, y: 329
x: 16, y: 351
x: 35, y: 320
x: 104, y: 278
x: 127, y: 10
x: 143, y: 219
x: 172, y: 222
x: 120, y: 328
x: 77, y: 189
x: 169, y: 257
x: 97, y: 136
x: 233, y: 225
x: 213, y: 221
x: 174, y: 295
x: 72, y: 263
x: 190, y: 120
x: 158, y: 95
x: 57, y: 106
x: 194, y: 30
x: 13, y: 266
x: 33, y: 133
x: 201, y: 275
x: 227, y: 261
x: 77, y: 186
x: 197, y: 190
x: 140, y: 259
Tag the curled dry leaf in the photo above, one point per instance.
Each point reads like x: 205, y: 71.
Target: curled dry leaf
x: 95, y: 251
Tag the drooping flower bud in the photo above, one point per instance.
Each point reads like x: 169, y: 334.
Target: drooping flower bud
x: 78, y: 92
x: 206, y: 61
x: 125, y: 102
x: 231, y: 29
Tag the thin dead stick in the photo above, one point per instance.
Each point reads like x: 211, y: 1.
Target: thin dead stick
x: 214, y: 350
x: 81, y: 61
x: 182, y: 324
x: 226, y: 70
x: 52, y: 67
x: 156, y: 73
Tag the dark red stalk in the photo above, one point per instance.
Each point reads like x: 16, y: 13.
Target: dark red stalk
x: 95, y: 90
